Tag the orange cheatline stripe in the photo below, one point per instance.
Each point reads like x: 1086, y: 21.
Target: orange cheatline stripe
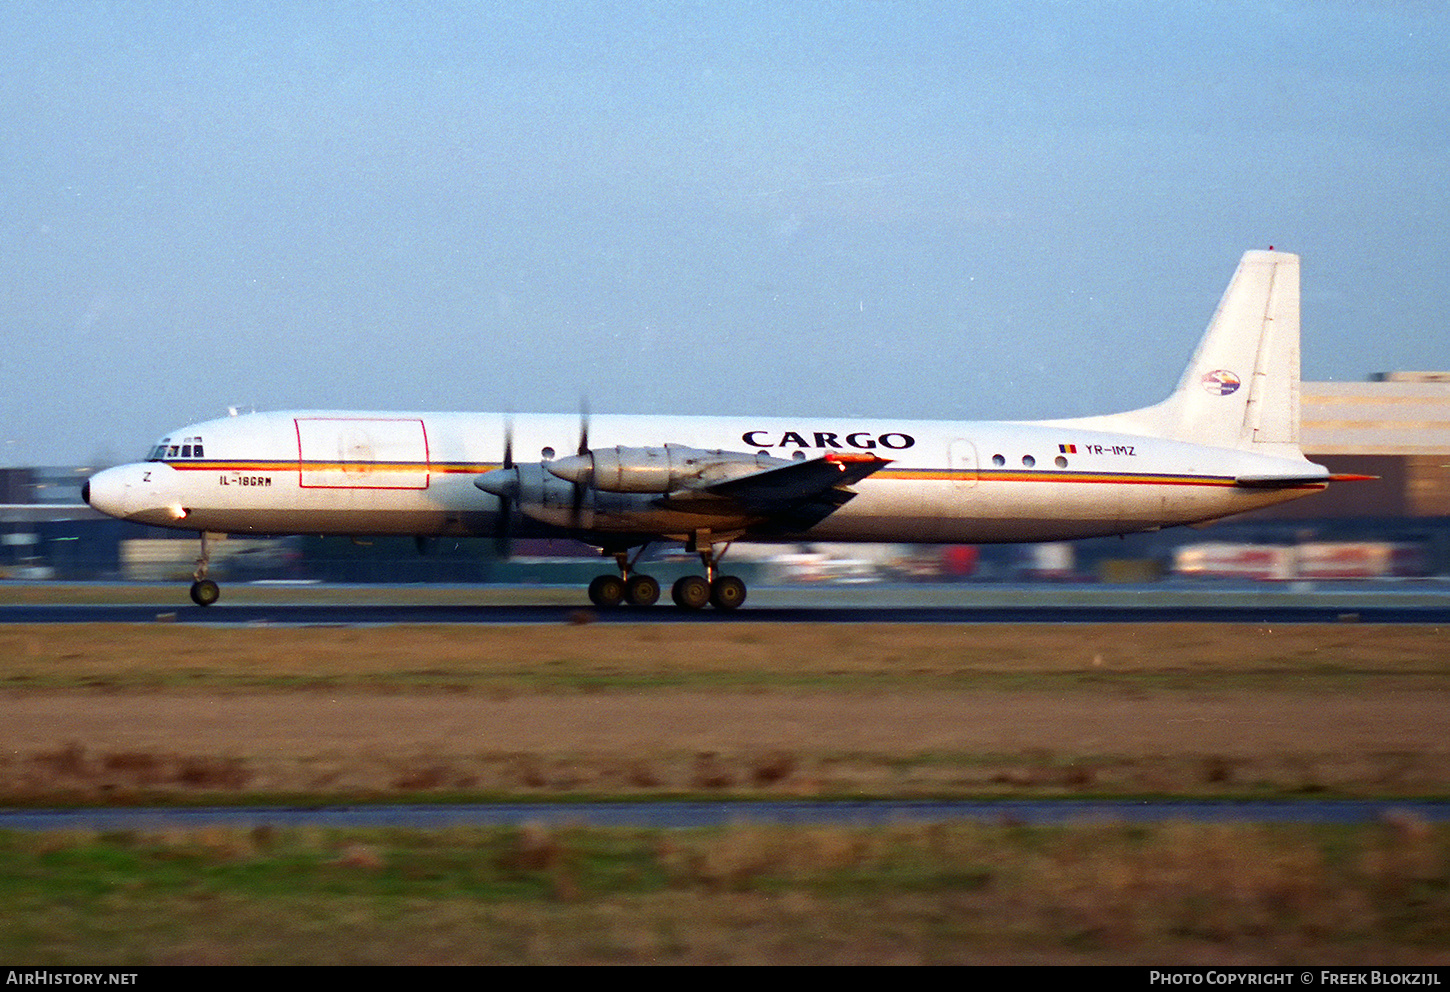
x: 1084, y: 478
x: 899, y: 474
x: 316, y: 466
x: 420, y: 468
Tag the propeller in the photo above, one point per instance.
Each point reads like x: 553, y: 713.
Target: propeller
x: 504, y: 525
x: 503, y: 483
x: 584, y: 480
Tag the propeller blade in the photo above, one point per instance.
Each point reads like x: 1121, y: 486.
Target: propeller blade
x: 503, y: 530
x: 585, y: 479
x: 504, y: 525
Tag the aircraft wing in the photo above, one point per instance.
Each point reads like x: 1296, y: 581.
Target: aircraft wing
x: 793, y: 496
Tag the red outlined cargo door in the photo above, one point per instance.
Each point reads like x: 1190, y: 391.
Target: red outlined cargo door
x: 361, y: 453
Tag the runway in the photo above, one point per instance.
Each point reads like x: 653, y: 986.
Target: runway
x: 385, y: 614
x: 696, y: 814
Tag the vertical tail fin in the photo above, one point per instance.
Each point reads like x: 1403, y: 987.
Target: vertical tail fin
x: 1241, y: 388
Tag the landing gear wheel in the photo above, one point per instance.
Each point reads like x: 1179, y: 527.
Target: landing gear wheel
x: 205, y: 592
x: 606, y: 590
x: 690, y: 593
x: 641, y: 590
x: 727, y: 593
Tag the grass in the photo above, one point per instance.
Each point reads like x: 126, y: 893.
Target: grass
x: 165, y: 714
x: 746, y: 894
x: 768, y: 657
x: 156, y: 713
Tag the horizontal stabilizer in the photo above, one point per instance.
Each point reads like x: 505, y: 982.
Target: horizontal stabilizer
x: 1295, y: 481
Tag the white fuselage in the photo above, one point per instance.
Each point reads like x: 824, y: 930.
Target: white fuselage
x: 367, y: 473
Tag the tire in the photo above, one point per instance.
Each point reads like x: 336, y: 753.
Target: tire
x: 641, y: 590
x: 205, y: 592
x: 727, y: 593
x: 606, y: 590
x: 691, y: 593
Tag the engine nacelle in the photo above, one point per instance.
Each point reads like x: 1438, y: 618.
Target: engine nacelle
x: 657, y: 470
x: 527, y: 491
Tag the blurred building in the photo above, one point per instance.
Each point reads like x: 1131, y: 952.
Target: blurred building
x: 45, y: 531
x: 1397, y: 427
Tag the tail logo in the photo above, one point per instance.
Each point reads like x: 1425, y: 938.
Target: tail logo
x: 1220, y: 382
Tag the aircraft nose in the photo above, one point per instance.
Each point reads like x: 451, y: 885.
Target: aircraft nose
x: 145, y: 492
x: 109, y: 491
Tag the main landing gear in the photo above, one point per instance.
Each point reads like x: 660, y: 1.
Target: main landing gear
x: 204, y: 591
x: 693, y: 592
x: 636, y: 589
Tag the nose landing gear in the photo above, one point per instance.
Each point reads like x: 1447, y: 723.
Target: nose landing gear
x: 204, y: 591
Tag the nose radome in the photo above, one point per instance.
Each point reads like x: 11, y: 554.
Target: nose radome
x: 108, y: 490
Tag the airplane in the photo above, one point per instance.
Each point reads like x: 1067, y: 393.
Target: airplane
x: 1226, y: 440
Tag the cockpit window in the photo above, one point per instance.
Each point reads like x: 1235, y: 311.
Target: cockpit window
x: 189, y: 448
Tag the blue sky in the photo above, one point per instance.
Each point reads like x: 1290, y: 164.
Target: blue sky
x: 879, y: 209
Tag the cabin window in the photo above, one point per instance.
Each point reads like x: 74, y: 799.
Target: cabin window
x: 998, y: 461
x: 547, y: 453
x: 1060, y: 462
x: 1028, y: 461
